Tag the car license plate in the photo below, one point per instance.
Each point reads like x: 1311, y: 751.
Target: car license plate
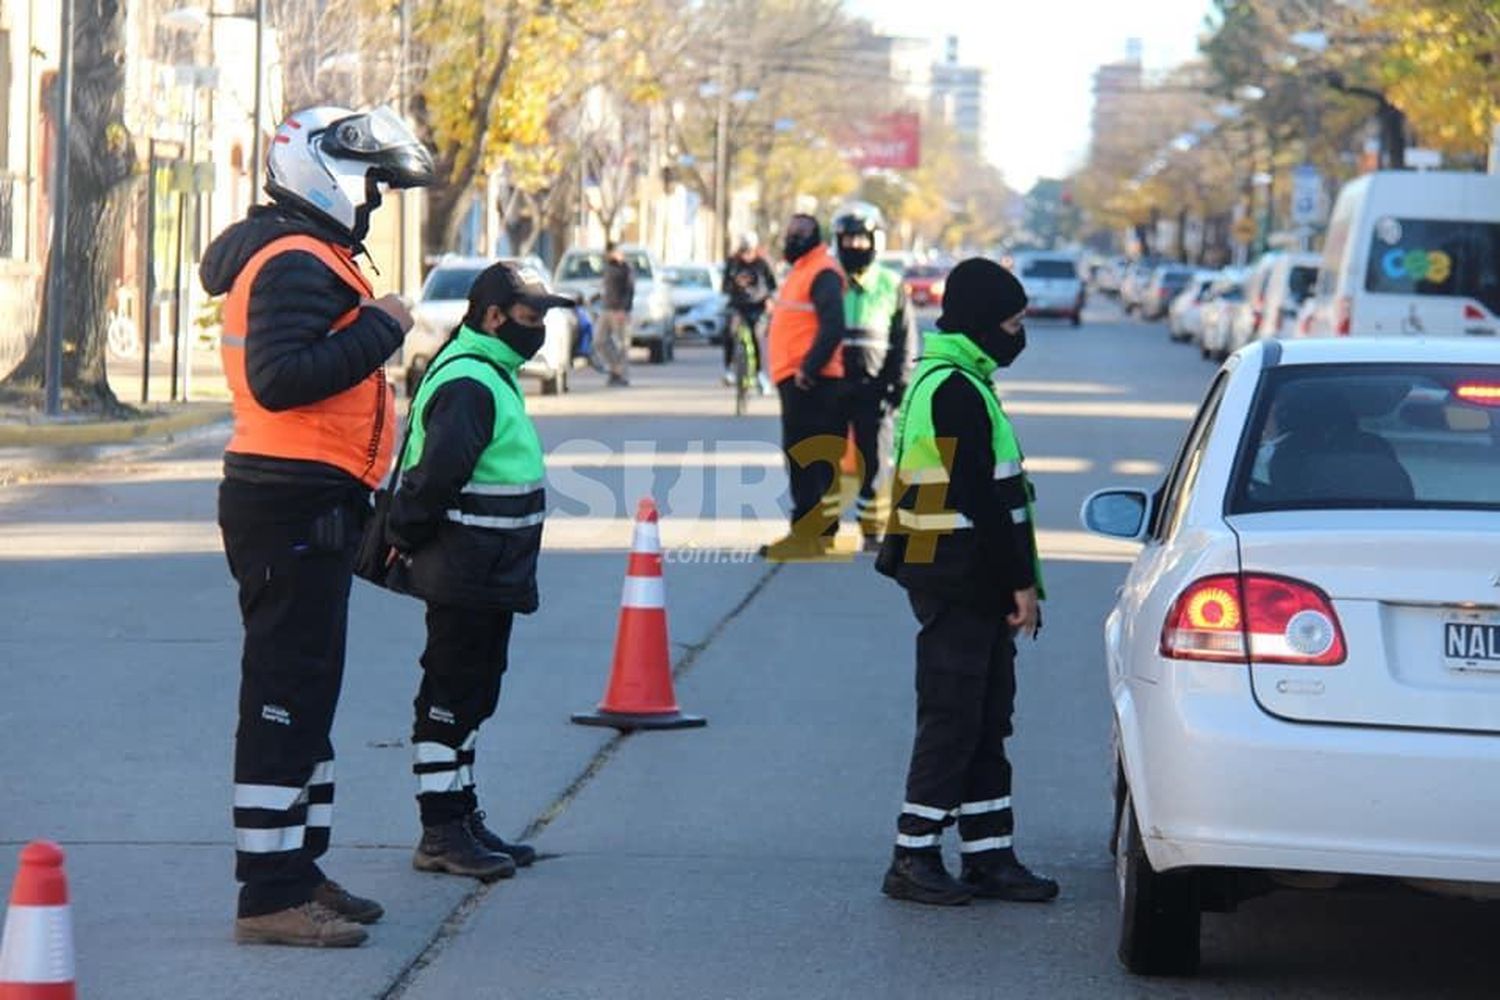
x: 1472, y: 642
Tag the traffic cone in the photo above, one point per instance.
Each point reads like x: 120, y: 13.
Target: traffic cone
x: 640, y: 683
x: 36, y: 952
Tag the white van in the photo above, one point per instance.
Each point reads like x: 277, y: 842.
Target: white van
x: 1411, y: 253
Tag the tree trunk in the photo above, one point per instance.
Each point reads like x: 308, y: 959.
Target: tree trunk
x: 100, y: 178
x: 445, y: 210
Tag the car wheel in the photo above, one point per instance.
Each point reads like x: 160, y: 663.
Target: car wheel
x: 1159, y: 913
x: 1076, y: 319
x: 658, y: 351
x: 414, y: 373
x: 555, y: 384
x: 671, y: 349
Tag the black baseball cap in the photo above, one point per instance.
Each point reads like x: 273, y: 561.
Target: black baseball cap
x: 504, y: 284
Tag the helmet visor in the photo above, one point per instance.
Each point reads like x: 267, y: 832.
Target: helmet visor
x: 381, y: 139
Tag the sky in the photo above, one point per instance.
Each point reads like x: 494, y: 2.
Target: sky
x: 1040, y: 57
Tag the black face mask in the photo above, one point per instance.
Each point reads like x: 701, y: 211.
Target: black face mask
x: 1003, y: 348
x: 524, y: 340
x: 798, y: 245
x: 856, y: 261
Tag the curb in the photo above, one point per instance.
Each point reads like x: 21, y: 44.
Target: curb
x: 62, y: 435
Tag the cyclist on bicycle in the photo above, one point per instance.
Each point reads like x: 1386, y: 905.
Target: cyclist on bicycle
x: 749, y: 282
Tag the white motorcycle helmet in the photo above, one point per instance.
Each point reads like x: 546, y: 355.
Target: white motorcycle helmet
x: 332, y: 161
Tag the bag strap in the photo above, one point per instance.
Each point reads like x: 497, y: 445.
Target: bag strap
x: 505, y: 377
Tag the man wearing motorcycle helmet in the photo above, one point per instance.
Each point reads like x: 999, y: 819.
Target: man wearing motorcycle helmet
x: 304, y: 346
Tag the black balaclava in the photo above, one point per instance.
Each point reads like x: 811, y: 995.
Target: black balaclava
x: 803, y: 235
x: 978, y: 297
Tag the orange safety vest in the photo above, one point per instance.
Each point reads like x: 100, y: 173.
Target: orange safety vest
x: 353, y: 430
x: 794, y: 319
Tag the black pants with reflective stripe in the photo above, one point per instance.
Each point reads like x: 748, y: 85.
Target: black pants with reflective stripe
x: 966, y: 686
x: 807, y: 414
x: 871, y: 429
x: 462, y: 667
x: 294, y: 576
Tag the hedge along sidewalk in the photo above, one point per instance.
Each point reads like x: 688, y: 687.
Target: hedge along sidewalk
x: 35, y: 431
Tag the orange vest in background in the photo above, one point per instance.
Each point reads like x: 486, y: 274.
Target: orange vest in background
x: 794, y: 319
x: 353, y: 430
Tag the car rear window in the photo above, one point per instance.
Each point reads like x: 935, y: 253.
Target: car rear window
x: 1045, y: 268
x: 582, y: 266
x: 1176, y: 279
x: 1436, y: 257
x: 1372, y: 436
x: 1300, y: 282
x: 925, y: 271
x: 447, y: 283
x: 688, y: 277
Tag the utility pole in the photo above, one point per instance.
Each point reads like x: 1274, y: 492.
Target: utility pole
x: 58, y: 255
x: 257, y: 151
x: 721, y: 167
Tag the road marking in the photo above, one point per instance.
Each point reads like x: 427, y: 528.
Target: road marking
x: 1137, y: 467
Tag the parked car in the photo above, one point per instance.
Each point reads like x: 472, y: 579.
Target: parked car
x: 1304, y: 660
x: 1053, y: 285
x: 1288, y: 287
x: 581, y: 271
x: 899, y: 261
x: 925, y: 284
x: 1133, y: 284
x: 1166, y: 281
x: 441, y: 306
x: 1185, y: 315
x: 698, y: 305
x: 1107, y: 275
x: 1225, y: 295
x: 1412, y: 253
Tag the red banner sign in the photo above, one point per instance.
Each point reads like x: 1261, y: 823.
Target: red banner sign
x: 890, y: 142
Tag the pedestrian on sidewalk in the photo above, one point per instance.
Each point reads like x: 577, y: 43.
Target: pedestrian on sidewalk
x: 466, y: 526
x: 613, y: 335
x: 304, y: 349
x: 807, y: 331
x: 962, y: 543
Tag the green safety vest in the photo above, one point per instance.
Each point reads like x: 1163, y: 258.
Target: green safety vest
x: 869, y: 307
x: 506, y: 491
x: 919, y: 458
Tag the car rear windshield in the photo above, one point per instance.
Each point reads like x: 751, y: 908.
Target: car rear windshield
x: 1045, y: 268
x: 1176, y: 279
x: 1372, y: 436
x: 1301, y: 281
x: 583, y: 266
x: 926, y: 271
x: 688, y: 277
x: 1436, y: 257
x: 447, y: 283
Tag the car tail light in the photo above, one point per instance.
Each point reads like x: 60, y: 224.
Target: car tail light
x: 1482, y: 393
x: 937, y: 289
x: 1255, y: 317
x: 1343, y: 319
x: 1473, y: 312
x: 1253, y: 617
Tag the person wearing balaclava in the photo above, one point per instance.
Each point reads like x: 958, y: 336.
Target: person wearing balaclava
x: 304, y: 347
x: 465, y: 527
x: 807, y: 331
x: 962, y: 543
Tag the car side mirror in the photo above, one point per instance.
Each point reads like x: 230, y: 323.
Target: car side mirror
x: 1117, y: 513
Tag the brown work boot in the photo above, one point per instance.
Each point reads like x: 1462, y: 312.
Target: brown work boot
x: 311, y: 925
x: 346, y: 904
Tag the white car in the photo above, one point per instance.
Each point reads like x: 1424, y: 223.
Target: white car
x: 1185, y: 315
x: 1217, y: 315
x: 1304, y: 660
x: 444, y: 300
x: 581, y: 272
x: 1278, y: 285
x: 1053, y: 285
x: 698, y: 306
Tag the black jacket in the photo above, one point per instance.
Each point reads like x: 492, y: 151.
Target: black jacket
x: 290, y: 360
x: 748, y: 284
x: 619, y: 285
x: 983, y: 565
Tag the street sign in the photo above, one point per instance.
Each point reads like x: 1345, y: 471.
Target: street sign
x: 1307, y: 196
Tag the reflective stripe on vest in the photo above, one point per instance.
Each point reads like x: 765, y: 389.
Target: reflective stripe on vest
x: 794, y: 318
x: 353, y: 430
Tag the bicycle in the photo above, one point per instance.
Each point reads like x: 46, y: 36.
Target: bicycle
x: 745, y: 366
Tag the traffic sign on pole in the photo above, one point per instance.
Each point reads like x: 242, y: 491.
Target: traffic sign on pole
x: 1307, y: 195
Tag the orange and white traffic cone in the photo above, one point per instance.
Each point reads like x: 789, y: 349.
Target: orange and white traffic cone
x: 36, y: 952
x: 640, y: 694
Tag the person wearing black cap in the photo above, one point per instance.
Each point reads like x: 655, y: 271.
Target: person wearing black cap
x: 961, y: 541
x: 465, y: 528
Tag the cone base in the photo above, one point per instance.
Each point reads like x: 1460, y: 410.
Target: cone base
x: 629, y: 721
